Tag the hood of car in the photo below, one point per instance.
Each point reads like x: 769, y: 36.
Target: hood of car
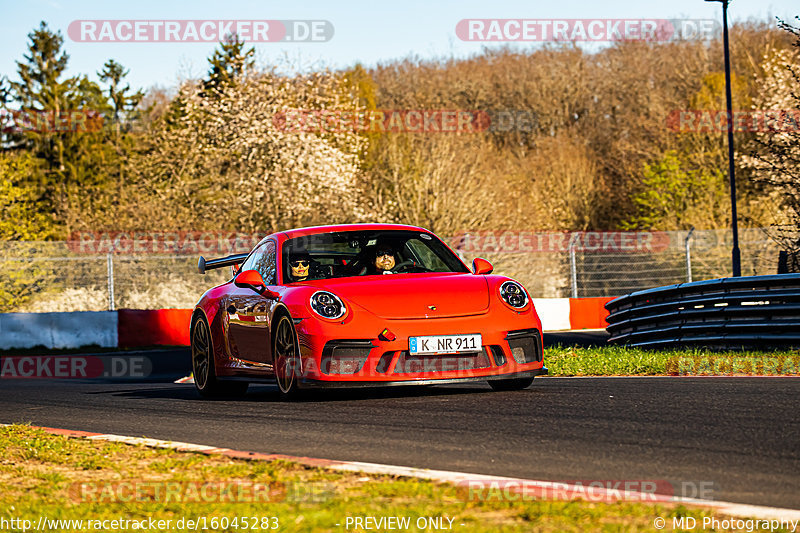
x: 401, y: 296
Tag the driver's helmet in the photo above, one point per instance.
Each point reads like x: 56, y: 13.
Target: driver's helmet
x: 384, y: 249
x: 299, y: 266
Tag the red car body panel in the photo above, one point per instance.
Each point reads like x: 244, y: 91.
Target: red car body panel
x: 382, y: 312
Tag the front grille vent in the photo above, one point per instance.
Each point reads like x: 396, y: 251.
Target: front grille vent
x: 416, y: 364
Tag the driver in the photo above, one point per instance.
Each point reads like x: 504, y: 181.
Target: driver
x: 300, y: 266
x: 384, y: 260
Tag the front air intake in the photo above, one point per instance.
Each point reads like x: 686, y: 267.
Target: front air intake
x: 525, y: 346
x: 499, y: 356
x: 345, y: 357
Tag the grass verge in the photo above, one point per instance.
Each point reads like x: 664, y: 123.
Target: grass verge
x: 63, y: 478
x: 622, y: 361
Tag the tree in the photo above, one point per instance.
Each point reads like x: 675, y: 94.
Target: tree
x: 41, y: 89
x: 66, y: 138
x: 774, y: 156
x: 5, y: 92
x: 675, y: 198
x: 435, y: 181
x: 40, y: 72
x: 113, y: 74
x: 21, y: 218
x: 228, y: 63
x: 6, y: 120
x: 225, y: 162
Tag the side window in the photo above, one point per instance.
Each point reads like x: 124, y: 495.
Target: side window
x: 249, y: 263
x: 426, y: 256
x: 265, y: 263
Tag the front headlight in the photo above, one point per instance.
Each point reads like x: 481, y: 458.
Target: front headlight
x: 327, y: 305
x: 513, y: 294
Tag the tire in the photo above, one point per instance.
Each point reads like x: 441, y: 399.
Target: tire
x: 203, y: 371
x: 510, y: 384
x: 286, y: 359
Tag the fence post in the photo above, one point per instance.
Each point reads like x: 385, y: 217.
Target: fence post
x: 688, y: 256
x: 573, y: 269
x: 110, y: 267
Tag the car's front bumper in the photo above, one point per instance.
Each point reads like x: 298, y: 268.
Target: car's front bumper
x: 315, y: 383
x: 376, y: 360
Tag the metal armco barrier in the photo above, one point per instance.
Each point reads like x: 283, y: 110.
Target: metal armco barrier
x: 744, y: 312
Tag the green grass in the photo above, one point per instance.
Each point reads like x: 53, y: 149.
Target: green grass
x: 622, y: 361
x: 48, y: 475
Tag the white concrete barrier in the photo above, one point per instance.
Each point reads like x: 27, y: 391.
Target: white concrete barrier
x: 58, y: 330
x: 102, y: 328
x: 553, y: 312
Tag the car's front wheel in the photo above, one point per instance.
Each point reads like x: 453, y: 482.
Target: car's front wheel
x: 510, y: 384
x: 203, y: 371
x: 286, y: 359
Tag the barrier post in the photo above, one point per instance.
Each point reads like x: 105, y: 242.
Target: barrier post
x: 573, y: 268
x: 110, y: 268
x: 688, y: 256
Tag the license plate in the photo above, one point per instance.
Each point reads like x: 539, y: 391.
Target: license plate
x: 439, y: 344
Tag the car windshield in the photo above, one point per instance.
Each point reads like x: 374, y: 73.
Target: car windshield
x: 363, y: 253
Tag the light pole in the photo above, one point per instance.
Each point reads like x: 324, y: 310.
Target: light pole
x: 736, y: 259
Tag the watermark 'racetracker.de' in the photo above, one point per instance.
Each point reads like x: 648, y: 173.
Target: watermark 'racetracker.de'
x: 516, y: 241
x: 75, y: 367
x: 223, y: 491
x: 200, y: 31
x: 721, y: 365
x: 753, y: 120
x: 568, y: 30
x: 405, y: 121
x: 51, y: 121
x: 590, y: 490
x: 163, y: 242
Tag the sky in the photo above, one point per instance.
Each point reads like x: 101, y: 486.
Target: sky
x: 366, y: 32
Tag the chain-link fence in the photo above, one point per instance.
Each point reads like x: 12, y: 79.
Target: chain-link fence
x: 584, y: 264
x: 63, y: 276
x: 53, y: 276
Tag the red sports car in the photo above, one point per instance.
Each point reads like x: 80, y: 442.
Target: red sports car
x: 361, y: 305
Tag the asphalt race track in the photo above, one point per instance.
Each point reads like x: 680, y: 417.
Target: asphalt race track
x: 739, y: 437
x: 586, y: 338
x: 734, y: 439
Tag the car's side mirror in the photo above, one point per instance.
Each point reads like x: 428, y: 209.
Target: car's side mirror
x: 481, y: 266
x: 251, y: 279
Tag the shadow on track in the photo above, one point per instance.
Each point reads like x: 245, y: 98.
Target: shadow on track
x: 584, y: 339
x: 269, y: 393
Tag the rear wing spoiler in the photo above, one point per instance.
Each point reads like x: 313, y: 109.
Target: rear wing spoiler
x: 210, y: 264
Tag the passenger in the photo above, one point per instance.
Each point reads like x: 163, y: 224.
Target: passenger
x: 384, y: 260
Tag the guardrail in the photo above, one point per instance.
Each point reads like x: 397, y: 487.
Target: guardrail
x: 743, y: 312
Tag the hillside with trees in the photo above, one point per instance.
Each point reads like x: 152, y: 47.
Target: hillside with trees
x: 211, y: 155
